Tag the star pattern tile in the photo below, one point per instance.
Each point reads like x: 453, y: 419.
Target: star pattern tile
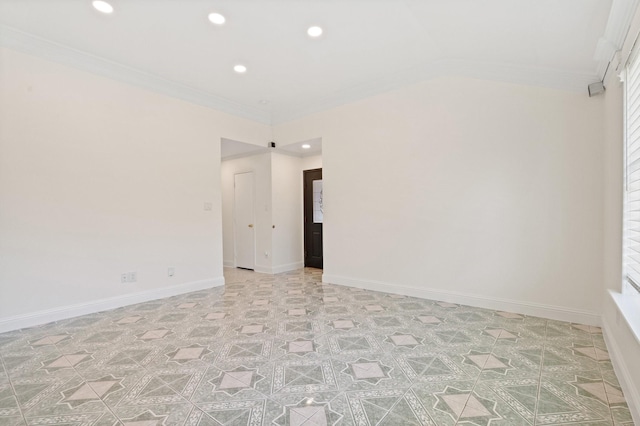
x: 287, y: 349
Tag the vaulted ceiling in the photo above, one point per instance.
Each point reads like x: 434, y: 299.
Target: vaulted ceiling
x: 368, y: 46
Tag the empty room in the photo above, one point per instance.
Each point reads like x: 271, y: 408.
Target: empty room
x: 319, y: 212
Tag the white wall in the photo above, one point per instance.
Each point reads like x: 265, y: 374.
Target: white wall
x: 613, y: 159
x: 311, y: 162
x: 260, y: 165
x: 287, y: 212
x: 99, y: 178
x: 479, y: 192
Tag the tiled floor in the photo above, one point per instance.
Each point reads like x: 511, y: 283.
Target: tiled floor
x: 288, y: 350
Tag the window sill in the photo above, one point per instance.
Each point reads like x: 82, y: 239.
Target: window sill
x: 629, y: 307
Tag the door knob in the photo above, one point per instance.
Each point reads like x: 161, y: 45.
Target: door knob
x: 251, y: 225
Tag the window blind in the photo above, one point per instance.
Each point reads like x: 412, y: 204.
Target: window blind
x: 631, y: 251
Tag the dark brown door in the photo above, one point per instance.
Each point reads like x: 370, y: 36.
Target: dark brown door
x: 313, y: 218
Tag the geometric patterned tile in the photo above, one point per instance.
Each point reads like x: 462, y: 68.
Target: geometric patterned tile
x: 600, y: 389
x: 502, y: 334
x: 467, y: 407
x: 252, y: 329
x: 103, y: 337
x: 146, y: 418
x: 544, y: 402
x: 390, y: 321
x: 388, y: 407
x: 66, y: 361
x: 287, y: 349
x: 370, y: 371
x: 131, y: 357
x: 154, y: 415
x: 307, y: 413
x: 233, y: 381
x: 233, y: 412
x: 129, y: 320
x: 303, y: 376
x: 429, y: 319
x: 431, y: 367
x: 509, y: 315
x: 164, y: 386
x: 453, y: 337
x: 150, y: 335
x: 300, y: 346
x: 8, y: 402
x: 240, y: 350
x: 352, y: 344
x: 404, y: 340
x: 588, y: 328
x: 187, y: 354
x: 592, y: 352
x: 488, y: 362
x: 555, y: 406
x: 91, y: 391
x: 343, y: 324
x: 50, y: 340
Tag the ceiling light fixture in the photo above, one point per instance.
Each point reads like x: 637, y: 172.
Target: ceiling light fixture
x: 240, y: 69
x: 102, y: 6
x: 263, y: 101
x: 217, y: 19
x: 314, y: 31
x: 306, y: 146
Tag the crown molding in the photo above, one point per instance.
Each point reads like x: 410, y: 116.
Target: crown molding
x: 618, y: 26
x: 15, y: 39
x: 18, y: 40
x: 527, y: 76
x: 506, y: 73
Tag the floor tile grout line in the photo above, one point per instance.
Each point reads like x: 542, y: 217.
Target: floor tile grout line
x: 85, y: 380
x: 604, y: 388
x: 477, y: 379
x: 13, y: 389
x: 410, y: 390
x: 544, y: 351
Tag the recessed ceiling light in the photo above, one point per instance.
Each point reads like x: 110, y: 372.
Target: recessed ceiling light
x: 314, y: 31
x: 102, y: 6
x: 217, y: 19
x: 240, y: 69
x: 263, y: 101
x: 306, y: 146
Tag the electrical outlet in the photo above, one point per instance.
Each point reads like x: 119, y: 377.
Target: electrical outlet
x: 132, y: 277
x: 123, y: 278
x: 208, y: 206
x: 171, y: 271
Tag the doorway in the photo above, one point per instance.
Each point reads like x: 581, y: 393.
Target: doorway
x: 244, y: 236
x: 313, y: 218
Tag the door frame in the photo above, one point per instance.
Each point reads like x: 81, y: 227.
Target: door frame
x: 253, y: 214
x: 308, y: 213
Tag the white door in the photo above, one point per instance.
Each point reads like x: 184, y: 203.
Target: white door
x: 244, y: 221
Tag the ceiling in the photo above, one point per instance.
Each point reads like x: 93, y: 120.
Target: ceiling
x: 235, y: 149
x: 368, y: 46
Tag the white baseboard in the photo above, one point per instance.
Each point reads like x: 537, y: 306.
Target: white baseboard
x: 631, y: 392
x: 229, y: 264
x: 262, y: 269
x: 534, y: 309
x: 287, y: 267
x: 279, y: 268
x: 49, y: 315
